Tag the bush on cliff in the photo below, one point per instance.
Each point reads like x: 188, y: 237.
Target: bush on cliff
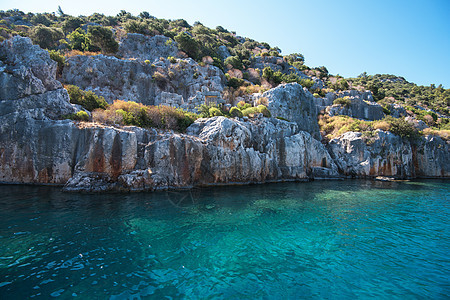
x: 253, y: 111
x: 46, y: 37
x: 332, y: 127
x: 236, y: 112
x: 278, y: 77
x: 79, y: 116
x: 346, y: 101
x: 103, y: 38
x: 60, y: 59
x: 88, y: 99
x: 137, y: 114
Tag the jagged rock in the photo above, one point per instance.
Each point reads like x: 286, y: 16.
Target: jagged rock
x: 418, y: 124
x: 362, y: 105
x: 26, y: 69
x: 294, y: 103
x: 52, y: 104
x: 215, y: 151
x: 318, y: 83
x: 390, y: 155
x: 161, y: 83
x: 397, y: 111
x: 143, y: 47
x: 223, y: 52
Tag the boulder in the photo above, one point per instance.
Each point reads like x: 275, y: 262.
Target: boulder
x: 26, y: 69
x: 293, y: 102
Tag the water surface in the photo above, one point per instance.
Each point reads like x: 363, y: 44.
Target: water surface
x: 335, y: 239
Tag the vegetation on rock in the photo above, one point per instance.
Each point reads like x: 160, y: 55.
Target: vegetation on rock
x: 88, y: 99
x: 137, y: 114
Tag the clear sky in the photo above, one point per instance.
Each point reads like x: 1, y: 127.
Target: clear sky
x: 408, y: 38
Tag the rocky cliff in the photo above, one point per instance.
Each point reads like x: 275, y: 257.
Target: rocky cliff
x: 146, y: 74
x: 387, y: 154
x: 38, y: 146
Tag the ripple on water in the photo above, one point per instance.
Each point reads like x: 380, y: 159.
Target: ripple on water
x: 280, y: 241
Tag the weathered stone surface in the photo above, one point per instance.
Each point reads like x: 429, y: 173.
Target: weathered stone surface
x: 223, y: 52
x: 48, y: 151
x: 143, y: 47
x: 36, y: 146
x: 216, y: 151
x: 294, y: 103
x: 276, y: 64
x: 163, y: 82
x: 390, y: 155
x: 397, y: 110
x: 362, y: 105
x: 25, y: 69
x: 50, y: 104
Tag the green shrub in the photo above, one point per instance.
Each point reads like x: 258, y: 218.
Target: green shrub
x: 234, y: 61
x: 235, y: 82
x: 88, y: 99
x: 79, y: 116
x: 71, y: 23
x: 243, y: 105
x: 46, y: 37
x: 60, y: 59
x: 346, y: 101
x: 187, y: 44
x: 250, y: 111
x: 137, y: 114
x: 103, y: 38
x: 78, y: 40
x: 401, y: 127
x: 214, y: 112
x: 236, y: 112
x: 133, y: 26
x: 264, y: 110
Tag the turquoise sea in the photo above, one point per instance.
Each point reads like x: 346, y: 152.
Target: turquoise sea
x: 322, y: 239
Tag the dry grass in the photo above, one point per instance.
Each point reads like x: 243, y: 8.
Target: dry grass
x: 444, y: 134
x: 132, y: 113
x: 383, y: 125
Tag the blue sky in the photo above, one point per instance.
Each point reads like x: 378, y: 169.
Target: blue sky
x: 406, y: 38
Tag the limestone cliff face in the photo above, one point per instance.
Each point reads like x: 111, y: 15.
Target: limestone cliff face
x: 37, y: 146
x: 390, y: 155
x: 179, y: 82
x: 362, y: 105
x: 139, y: 46
x: 216, y: 151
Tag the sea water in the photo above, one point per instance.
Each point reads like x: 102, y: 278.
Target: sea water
x: 323, y: 239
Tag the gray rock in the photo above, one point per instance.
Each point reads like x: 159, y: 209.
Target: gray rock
x: 25, y: 69
x: 294, y: 103
x: 397, y: 111
x: 362, y: 105
x: 418, y: 124
x: 223, y: 52
x: 182, y: 84
x: 390, y: 155
x: 143, y: 47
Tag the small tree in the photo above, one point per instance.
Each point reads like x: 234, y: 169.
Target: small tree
x: 71, y: 23
x: 78, y: 40
x: 234, y: 61
x: 187, y: 44
x: 103, y: 38
x: 46, y: 37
